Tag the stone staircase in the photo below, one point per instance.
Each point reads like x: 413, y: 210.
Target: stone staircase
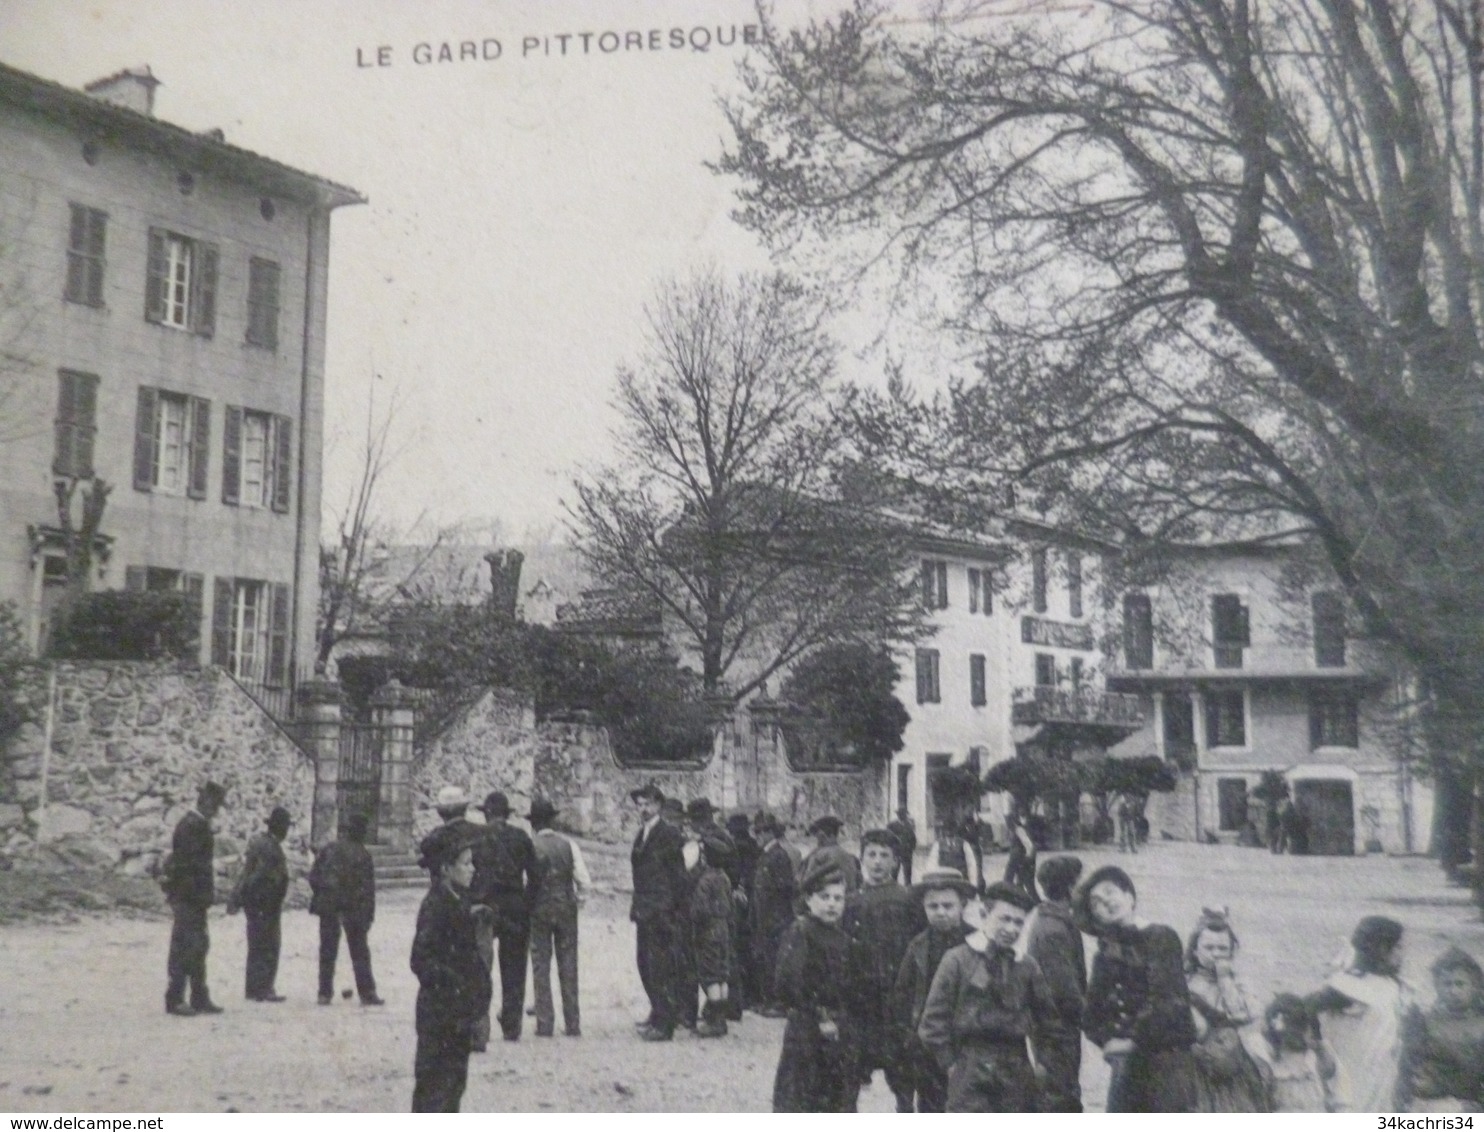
x: 395, y: 869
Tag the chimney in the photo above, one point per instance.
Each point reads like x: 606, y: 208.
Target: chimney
x: 132, y: 88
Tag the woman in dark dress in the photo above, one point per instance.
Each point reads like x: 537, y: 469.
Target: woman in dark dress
x: 1138, y: 1006
x: 818, y: 965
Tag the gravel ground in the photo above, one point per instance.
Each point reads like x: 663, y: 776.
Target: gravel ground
x: 82, y: 1026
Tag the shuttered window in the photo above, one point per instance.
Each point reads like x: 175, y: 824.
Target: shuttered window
x: 1230, y: 632
x: 934, y: 584
x: 981, y: 590
x: 257, y: 459
x: 1226, y: 719
x: 262, y: 303
x: 76, y: 424
x: 928, y: 688
x: 1138, y: 631
x: 978, y: 689
x: 180, y: 282
x: 172, y: 441
x: 1329, y: 629
x: 86, y: 239
x: 1038, y: 580
x: 250, y: 630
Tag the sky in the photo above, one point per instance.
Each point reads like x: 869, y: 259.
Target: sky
x: 523, y: 204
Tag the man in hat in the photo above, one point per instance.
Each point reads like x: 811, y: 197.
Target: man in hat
x: 984, y: 1007
x: 1055, y: 943
x: 748, y: 991
x: 564, y: 883
x: 905, y: 831
x: 259, y: 892
x: 828, y: 851
x: 658, y: 902
x: 343, y: 880
x: 190, y: 886
x: 452, y: 806
x: 507, y: 878
x: 883, y: 919
x: 771, y: 908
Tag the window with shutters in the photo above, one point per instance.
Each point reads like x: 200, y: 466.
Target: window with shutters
x: 1074, y: 583
x: 249, y: 630
x: 1334, y: 720
x: 180, y: 287
x: 1226, y: 719
x: 981, y: 591
x: 1045, y: 670
x: 978, y: 687
x: 1038, y: 580
x: 172, y: 436
x: 1329, y: 629
x: 262, y: 303
x: 257, y: 459
x: 928, y: 689
x: 934, y: 584
x: 76, y: 424
x: 1230, y: 633
x: 86, y: 238
x: 1138, y: 631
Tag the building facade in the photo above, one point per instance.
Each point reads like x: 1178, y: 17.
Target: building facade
x: 163, y: 331
x: 1245, y: 662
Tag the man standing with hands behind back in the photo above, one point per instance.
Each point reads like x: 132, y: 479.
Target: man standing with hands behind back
x: 190, y: 886
x: 659, y: 881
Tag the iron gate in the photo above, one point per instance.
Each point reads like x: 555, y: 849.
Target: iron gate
x: 360, y: 773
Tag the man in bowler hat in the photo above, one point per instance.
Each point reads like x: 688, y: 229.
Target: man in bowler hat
x: 507, y: 877
x: 259, y: 892
x: 564, y: 880
x: 343, y: 879
x: 190, y: 886
x: 659, y: 889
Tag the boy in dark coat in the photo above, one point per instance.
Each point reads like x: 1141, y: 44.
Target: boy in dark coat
x: 771, y: 909
x: 1055, y: 943
x: 343, y: 879
x: 818, y: 966
x: 190, y: 886
x: 883, y: 918
x: 943, y: 894
x: 983, y: 1008
x: 259, y: 892
x: 709, y: 929
x: 454, y: 983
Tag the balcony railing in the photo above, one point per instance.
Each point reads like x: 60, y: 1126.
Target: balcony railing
x: 1046, y: 704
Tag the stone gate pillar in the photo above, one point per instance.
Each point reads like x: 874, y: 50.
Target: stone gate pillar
x: 391, y: 709
x: 319, y: 702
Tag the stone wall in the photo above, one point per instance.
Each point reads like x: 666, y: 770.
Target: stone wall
x: 497, y: 745
x: 130, y: 745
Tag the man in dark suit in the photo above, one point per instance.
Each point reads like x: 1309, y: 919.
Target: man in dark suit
x: 259, y: 892
x: 659, y: 882
x: 190, y: 886
x: 771, y: 908
x: 507, y: 877
x: 343, y: 879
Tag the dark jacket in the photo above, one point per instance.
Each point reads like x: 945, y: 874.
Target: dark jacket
x: 507, y: 872
x: 915, y: 975
x: 660, y: 884
x: 1138, y: 990
x: 265, y: 876
x: 773, y: 886
x: 906, y: 834
x: 816, y: 980
x: 983, y: 993
x: 343, y: 879
x: 455, y: 988
x: 1055, y: 944
x: 883, y: 920
x: 711, y: 924
x: 190, y: 876
x: 557, y: 893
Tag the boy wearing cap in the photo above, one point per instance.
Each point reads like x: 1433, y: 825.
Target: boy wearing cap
x: 564, y: 882
x: 190, y: 886
x: 985, y: 1008
x: 883, y: 918
x: 454, y: 982
x: 343, y: 879
x: 943, y: 894
x: 816, y: 981
x: 259, y: 892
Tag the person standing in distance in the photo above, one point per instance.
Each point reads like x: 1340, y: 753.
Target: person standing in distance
x: 259, y: 892
x: 343, y: 879
x: 564, y: 883
x: 190, y: 886
x: 506, y: 880
x: 659, y: 885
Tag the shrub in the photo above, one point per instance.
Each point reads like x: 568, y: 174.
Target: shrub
x: 127, y: 625
x: 845, y: 693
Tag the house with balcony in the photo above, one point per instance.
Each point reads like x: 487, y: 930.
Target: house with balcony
x: 163, y: 332
x: 1244, y: 660
x: 1015, y: 664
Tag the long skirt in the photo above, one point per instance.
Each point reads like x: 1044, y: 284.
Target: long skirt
x: 815, y: 1075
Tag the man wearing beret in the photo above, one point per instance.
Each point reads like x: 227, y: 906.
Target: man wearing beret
x: 259, y: 892
x: 190, y: 886
x: 657, y: 904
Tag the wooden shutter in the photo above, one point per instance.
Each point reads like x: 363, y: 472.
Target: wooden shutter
x: 135, y: 579
x: 155, y: 279
x: 278, y: 637
x: 84, y: 421
x: 1074, y: 583
x: 146, y: 432
x: 282, y: 455
x: 64, y: 459
x: 97, y: 229
x: 77, y: 267
x: 973, y: 590
x: 1329, y: 630
x: 200, y: 444
x: 203, y: 300
x: 929, y: 598
x: 194, y: 588
x: 978, y: 693
x: 942, y: 572
x: 922, y: 686
x: 987, y: 600
x: 232, y: 454
x: 1138, y: 631
x: 1038, y: 580
x: 221, y: 622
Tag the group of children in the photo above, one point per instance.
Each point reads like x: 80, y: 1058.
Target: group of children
x: 968, y: 1010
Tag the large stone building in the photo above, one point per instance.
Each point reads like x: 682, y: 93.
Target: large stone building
x: 162, y: 330
x: 1245, y: 662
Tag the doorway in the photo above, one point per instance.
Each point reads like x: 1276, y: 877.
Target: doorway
x: 1328, y: 805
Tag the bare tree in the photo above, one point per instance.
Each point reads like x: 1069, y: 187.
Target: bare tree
x: 1220, y: 264
x: 724, y: 507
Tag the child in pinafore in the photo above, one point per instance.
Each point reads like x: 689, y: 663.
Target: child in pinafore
x: 815, y: 981
x: 1443, y: 1049
x: 1297, y: 1068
